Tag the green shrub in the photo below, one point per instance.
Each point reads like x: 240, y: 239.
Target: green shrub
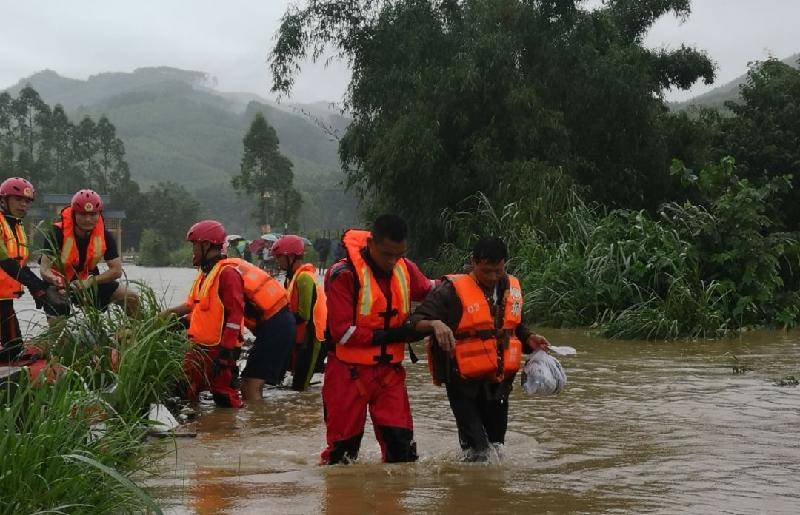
x: 153, y: 249
x: 72, y: 445
x: 699, y: 270
x: 182, y: 256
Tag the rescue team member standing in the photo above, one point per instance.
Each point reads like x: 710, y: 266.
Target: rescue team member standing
x: 246, y: 295
x: 16, y: 196
x: 268, y: 317
x: 478, y: 339
x: 307, y: 304
x: 215, y: 308
x: 81, y: 241
x: 369, y: 296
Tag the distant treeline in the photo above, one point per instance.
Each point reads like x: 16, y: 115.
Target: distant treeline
x: 41, y: 143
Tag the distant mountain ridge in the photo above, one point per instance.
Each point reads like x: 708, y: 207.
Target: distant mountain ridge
x: 177, y: 127
x: 717, y: 97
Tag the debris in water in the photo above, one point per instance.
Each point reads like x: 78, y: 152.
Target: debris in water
x: 739, y: 366
x: 787, y: 381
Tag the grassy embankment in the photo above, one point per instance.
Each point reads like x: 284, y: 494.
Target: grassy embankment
x: 71, y: 445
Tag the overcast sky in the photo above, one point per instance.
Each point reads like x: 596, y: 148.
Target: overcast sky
x: 230, y: 40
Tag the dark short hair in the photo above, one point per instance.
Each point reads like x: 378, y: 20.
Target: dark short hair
x: 389, y: 226
x: 491, y: 249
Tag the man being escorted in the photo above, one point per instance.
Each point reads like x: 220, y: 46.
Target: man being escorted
x: 16, y: 196
x: 80, y: 241
x: 369, y: 296
x: 307, y: 304
x: 478, y: 340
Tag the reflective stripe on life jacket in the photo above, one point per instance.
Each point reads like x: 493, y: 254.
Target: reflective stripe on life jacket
x: 261, y: 289
x: 319, y: 312
x: 69, y: 247
x: 372, y: 309
x: 483, y: 350
x: 16, y: 244
x: 207, y: 319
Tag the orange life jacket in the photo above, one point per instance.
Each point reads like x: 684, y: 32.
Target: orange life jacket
x: 319, y: 312
x: 261, y: 290
x: 69, y: 247
x: 483, y: 350
x: 207, y: 318
x: 16, y: 243
x: 372, y: 309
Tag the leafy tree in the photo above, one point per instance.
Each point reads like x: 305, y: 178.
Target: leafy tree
x: 29, y: 110
x: 166, y: 210
x: 86, y: 146
x: 153, y: 249
x: 169, y: 210
x: 58, y: 136
x: 112, y: 169
x: 6, y: 139
x: 267, y: 175
x: 453, y: 96
x: 764, y: 132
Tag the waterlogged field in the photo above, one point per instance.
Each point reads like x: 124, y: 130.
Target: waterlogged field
x: 642, y: 426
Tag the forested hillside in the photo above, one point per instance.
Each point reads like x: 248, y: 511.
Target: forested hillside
x: 717, y: 97
x: 177, y: 128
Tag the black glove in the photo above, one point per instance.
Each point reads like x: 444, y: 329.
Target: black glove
x: 404, y: 333
x: 53, y: 302
x: 228, y: 357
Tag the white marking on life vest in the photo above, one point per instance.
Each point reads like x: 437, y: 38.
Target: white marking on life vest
x: 473, y: 308
x: 347, y: 334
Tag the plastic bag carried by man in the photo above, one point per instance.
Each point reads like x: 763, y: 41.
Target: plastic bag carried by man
x: 543, y: 375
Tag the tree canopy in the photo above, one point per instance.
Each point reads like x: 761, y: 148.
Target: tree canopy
x: 450, y: 97
x: 267, y: 174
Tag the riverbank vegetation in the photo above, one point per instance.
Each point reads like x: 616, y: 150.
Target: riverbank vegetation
x: 72, y: 439
x: 620, y: 214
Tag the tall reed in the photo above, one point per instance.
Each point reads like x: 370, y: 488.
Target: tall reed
x: 72, y: 445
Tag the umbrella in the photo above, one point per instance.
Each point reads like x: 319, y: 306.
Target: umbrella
x: 257, y: 245
x: 270, y: 236
x: 234, y: 237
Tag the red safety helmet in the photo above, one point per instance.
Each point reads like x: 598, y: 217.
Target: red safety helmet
x: 286, y: 245
x: 207, y: 230
x: 86, y: 201
x: 19, y: 187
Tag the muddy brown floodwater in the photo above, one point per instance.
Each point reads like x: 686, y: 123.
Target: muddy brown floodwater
x: 641, y: 426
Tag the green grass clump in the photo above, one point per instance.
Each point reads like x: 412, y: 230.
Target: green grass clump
x: 71, y: 445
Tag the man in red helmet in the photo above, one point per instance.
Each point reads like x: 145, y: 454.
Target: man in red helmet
x: 307, y: 303
x: 215, y: 310
x: 369, y: 295
x: 78, y: 242
x: 16, y: 196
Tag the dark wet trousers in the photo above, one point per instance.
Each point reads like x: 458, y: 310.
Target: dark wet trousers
x: 481, y: 417
x: 10, y: 334
x: 348, y: 392
x: 200, y: 370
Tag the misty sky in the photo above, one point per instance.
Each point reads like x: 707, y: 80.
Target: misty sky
x: 230, y: 40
